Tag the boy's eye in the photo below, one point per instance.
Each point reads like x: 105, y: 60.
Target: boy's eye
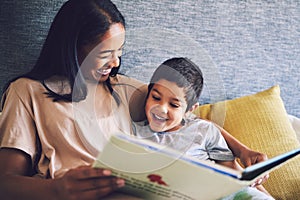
x: 156, y: 97
x: 174, y: 105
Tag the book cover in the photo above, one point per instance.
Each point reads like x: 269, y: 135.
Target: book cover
x: 152, y: 171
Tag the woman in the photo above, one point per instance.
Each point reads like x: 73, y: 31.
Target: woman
x: 49, y: 114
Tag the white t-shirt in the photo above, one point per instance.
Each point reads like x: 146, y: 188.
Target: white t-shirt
x: 197, y: 138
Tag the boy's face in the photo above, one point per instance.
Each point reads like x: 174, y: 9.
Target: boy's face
x: 165, y: 106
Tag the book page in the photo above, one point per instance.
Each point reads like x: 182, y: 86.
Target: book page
x: 151, y: 174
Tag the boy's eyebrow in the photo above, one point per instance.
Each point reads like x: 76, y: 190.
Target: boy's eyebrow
x: 155, y: 90
x: 178, y: 100
x: 173, y: 99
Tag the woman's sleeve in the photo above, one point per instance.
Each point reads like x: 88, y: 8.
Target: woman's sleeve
x: 17, y: 127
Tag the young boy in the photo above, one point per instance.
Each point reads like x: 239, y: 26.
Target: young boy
x: 173, y: 93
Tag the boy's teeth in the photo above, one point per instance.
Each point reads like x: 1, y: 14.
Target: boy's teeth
x: 158, y: 117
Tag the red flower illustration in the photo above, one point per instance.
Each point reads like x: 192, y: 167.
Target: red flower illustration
x: 156, y: 178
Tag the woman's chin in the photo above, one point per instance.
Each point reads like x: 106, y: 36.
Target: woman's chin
x: 100, y: 78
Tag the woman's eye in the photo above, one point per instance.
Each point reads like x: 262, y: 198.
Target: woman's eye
x: 104, y: 55
x: 109, y: 53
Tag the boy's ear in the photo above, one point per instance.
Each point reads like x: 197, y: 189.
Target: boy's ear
x: 194, y: 107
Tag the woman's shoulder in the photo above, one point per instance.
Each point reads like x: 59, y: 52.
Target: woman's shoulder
x: 19, y: 90
x: 24, y: 84
x: 24, y: 81
x: 123, y: 79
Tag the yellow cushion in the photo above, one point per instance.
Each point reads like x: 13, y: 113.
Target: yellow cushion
x: 260, y: 121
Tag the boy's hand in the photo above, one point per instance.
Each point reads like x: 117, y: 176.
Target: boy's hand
x: 249, y: 157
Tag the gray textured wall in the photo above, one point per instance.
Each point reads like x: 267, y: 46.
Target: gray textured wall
x: 242, y: 46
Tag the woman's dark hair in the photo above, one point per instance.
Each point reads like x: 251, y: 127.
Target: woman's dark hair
x: 184, y: 73
x: 77, y: 23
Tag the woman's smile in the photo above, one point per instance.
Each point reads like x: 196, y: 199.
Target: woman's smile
x: 103, y: 72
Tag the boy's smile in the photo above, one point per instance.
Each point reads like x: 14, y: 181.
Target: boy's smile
x: 165, y: 106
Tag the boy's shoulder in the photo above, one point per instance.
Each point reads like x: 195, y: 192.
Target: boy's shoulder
x: 196, y: 124
x: 193, y: 119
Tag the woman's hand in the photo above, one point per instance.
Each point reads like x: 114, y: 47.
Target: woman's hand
x: 87, y: 183
x: 79, y: 183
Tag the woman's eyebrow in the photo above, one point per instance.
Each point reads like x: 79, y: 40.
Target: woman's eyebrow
x: 109, y: 51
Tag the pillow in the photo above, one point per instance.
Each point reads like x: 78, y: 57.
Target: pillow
x: 261, y: 122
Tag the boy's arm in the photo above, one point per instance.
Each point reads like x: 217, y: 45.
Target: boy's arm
x: 246, y: 155
x: 231, y: 164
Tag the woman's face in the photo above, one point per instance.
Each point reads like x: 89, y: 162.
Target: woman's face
x: 165, y: 106
x: 97, y: 61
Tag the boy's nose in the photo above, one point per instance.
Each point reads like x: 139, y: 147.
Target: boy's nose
x: 163, y: 109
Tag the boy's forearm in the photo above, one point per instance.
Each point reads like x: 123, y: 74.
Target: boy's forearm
x: 236, y: 146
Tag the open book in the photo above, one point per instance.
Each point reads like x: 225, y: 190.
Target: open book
x: 152, y: 171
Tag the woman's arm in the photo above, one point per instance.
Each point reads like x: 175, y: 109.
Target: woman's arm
x: 79, y: 183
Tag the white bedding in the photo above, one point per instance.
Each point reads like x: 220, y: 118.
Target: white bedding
x: 296, y: 125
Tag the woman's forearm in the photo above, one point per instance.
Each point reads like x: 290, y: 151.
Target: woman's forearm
x: 16, y: 181
x: 22, y: 187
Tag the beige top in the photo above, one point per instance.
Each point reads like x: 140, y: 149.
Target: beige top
x: 68, y: 134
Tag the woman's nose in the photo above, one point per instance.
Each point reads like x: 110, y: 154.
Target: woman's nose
x: 115, y: 60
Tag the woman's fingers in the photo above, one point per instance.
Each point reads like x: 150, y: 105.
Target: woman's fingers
x: 88, y: 183
x: 85, y: 172
x: 96, y: 188
x: 98, y: 183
